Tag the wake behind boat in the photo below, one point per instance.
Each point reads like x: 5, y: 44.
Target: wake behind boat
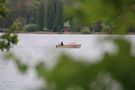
x: 70, y: 45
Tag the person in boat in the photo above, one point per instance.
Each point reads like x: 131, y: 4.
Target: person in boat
x: 62, y: 43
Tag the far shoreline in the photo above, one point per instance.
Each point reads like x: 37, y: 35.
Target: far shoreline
x: 42, y: 32
x: 72, y: 33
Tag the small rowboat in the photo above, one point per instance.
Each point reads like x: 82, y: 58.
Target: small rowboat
x: 71, y: 45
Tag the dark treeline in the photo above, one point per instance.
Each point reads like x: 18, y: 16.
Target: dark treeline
x: 49, y: 15
x: 39, y: 15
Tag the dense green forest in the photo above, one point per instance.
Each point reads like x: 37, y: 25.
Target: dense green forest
x: 36, y: 15
x: 77, y: 16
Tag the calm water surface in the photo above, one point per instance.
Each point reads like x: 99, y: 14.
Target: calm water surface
x: 33, y: 48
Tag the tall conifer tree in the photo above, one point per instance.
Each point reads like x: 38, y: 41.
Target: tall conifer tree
x: 55, y: 15
x: 41, y: 15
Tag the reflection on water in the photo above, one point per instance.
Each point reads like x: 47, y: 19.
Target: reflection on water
x: 34, y: 48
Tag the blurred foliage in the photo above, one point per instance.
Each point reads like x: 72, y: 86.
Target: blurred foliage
x: 71, y: 74
x: 22, y: 67
x: 119, y: 12
x: 17, y: 26
x: 10, y: 38
x: 3, y: 9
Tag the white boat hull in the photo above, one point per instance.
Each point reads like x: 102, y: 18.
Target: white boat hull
x: 69, y: 46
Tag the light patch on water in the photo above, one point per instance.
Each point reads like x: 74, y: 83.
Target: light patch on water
x: 33, y: 48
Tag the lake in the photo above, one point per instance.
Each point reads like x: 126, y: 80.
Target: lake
x: 33, y: 48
